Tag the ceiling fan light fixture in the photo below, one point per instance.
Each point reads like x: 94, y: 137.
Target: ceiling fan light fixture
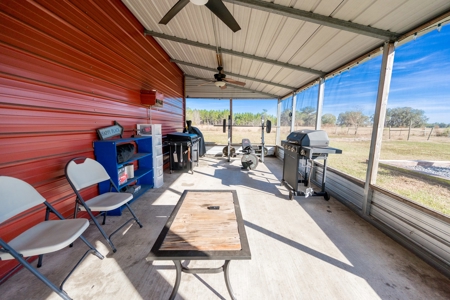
x: 219, y: 83
x: 199, y: 2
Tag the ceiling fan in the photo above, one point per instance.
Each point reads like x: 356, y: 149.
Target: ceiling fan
x: 215, y: 6
x: 221, y: 80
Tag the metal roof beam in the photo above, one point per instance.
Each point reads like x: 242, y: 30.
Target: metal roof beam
x: 238, y: 87
x: 232, y: 74
x: 317, y: 19
x: 235, y: 53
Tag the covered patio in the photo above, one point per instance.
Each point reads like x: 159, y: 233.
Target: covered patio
x: 70, y: 68
x: 306, y: 248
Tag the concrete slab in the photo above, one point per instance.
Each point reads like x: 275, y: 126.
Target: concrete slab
x: 301, y: 249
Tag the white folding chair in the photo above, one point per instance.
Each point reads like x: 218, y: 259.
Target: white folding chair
x: 17, y: 196
x: 82, y: 172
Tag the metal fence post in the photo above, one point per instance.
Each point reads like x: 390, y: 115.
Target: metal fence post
x: 431, y: 131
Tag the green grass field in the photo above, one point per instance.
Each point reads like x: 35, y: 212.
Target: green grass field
x: 355, y: 153
x: 425, y: 192
x: 353, y: 161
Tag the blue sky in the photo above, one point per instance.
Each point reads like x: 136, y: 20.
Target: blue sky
x: 420, y: 79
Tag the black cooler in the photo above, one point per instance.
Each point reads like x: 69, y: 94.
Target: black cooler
x: 183, y: 150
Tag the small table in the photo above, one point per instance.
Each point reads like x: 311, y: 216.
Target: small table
x: 194, y: 231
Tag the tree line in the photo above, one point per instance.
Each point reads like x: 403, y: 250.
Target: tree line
x: 307, y: 117
x: 395, y: 118
x: 215, y: 117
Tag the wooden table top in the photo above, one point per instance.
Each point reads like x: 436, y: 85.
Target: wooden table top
x: 196, y: 227
x: 193, y: 230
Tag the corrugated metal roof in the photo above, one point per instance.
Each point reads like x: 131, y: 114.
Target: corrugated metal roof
x: 278, y: 39
x: 198, y: 88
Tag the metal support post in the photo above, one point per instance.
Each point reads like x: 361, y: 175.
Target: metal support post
x: 262, y: 139
x: 229, y: 138
x: 278, y: 134
x: 378, y: 123
x: 320, y: 103
x: 294, y: 104
x: 231, y: 122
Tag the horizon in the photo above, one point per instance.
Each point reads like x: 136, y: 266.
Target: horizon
x: 420, y: 79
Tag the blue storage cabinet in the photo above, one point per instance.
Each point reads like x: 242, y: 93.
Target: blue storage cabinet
x: 106, y: 154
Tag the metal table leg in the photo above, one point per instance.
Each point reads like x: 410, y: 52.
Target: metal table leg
x: 170, y: 157
x: 177, y: 280
x: 180, y: 268
x: 226, y: 274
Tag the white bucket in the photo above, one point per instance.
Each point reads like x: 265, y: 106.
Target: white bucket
x: 130, y: 170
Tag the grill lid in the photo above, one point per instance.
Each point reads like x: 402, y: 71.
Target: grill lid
x: 180, y: 137
x: 309, y: 138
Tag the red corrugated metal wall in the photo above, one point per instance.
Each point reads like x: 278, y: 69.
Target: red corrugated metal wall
x: 66, y: 69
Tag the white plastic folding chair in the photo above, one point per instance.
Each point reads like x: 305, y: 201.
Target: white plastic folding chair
x: 82, y: 172
x: 17, y: 196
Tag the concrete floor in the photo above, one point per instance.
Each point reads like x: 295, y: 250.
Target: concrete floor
x: 301, y: 249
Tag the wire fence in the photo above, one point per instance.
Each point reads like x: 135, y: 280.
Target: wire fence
x: 214, y: 134
x: 389, y: 133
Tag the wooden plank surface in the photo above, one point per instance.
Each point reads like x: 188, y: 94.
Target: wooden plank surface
x: 196, y: 227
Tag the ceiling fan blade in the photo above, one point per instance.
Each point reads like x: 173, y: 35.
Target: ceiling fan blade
x: 230, y: 80
x: 173, y: 11
x: 223, y: 87
x: 221, y: 11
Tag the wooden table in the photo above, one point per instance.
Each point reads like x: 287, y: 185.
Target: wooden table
x: 194, y: 231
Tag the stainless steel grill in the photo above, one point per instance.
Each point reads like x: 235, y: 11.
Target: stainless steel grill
x: 309, y: 138
x: 301, y: 149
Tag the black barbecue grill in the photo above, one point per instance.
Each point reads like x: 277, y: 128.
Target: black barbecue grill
x: 183, y: 150
x: 301, y: 149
